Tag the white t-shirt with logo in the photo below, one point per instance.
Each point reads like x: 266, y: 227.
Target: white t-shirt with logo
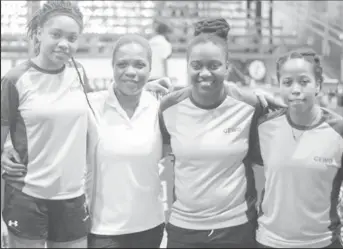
x: 303, y: 179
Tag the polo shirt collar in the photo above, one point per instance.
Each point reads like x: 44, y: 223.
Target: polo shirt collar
x: 112, y: 99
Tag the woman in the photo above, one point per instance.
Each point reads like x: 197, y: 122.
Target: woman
x: 43, y: 107
x: 207, y: 126
x: 124, y: 184
x: 161, y: 47
x: 301, y: 148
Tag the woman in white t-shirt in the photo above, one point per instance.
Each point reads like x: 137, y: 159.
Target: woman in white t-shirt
x: 161, y: 49
x: 124, y: 186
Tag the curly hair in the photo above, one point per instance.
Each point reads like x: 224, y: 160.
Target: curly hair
x: 213, y: 30
x: 306, y: 54
x: 49, y: 9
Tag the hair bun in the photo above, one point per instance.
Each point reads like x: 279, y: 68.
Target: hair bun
x: 216, y: 26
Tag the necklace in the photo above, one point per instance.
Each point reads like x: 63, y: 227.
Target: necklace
x: 313, y: 121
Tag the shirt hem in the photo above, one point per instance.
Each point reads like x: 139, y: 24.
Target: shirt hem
x: 125, y: 231
x: 56, y: 197
x: 199, y: 224
x: 267, y: 241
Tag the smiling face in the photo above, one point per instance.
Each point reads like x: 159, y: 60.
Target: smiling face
x: 207, y: 67
x: 58, y: 39
x: 131, y: 68
x: 299, y: 85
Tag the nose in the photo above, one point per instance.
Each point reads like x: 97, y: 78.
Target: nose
x: 204, y: 72
x: 64, y: 44
x: 130, y: 71
x: 296, y: 89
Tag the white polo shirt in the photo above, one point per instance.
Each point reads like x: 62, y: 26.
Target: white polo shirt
x: 126, y: 194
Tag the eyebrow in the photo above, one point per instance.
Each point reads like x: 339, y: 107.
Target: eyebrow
x: 62, y: 31
x: 211, y: 61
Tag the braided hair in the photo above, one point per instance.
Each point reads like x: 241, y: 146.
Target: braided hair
x: 306, y: 54
x: 213, y: 30
x: 50, y: 9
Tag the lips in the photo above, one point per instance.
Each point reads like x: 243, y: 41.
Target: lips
x: 130, y: 82
x: 297, y: 101
x: 60, y: 53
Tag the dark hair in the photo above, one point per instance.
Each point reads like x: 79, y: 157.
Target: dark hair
x: 49, y: 9
x: 213, y: 30
x: 306, y: 54
x: 132, y: 38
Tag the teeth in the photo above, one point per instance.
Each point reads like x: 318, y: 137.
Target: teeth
x: 206, y: 83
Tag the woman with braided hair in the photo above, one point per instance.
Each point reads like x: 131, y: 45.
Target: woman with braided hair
x: 44, y: 108
x: 207, y: 126
x: 301, y: 149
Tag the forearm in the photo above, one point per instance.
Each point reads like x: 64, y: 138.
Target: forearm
x: 4, y: 133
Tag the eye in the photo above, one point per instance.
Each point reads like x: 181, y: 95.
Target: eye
x: 304, y: 81
x: 140, y: 65
x: 287, y: 82
x: 72, y: 38
x: 121, y: 64
x: 55, y: 35
x: 214, y: 66
x: 196, y: 65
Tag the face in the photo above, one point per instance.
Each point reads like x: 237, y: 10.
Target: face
x: 298, y: 84
x: 207, y: 67
x: 131, y: 68
x: 58, y: 39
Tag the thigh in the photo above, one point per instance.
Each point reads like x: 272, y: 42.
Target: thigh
x: 104, y: 241
x: 18, y: 242
x: 68, y: 220
x: 79, y: 243
x: 151, y: 238
x: 25, y: 216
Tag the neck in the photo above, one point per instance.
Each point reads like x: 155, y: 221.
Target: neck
x: 127, y: 102
x: 306, y: 118
x: 45, y: 63
x: 209, y: 99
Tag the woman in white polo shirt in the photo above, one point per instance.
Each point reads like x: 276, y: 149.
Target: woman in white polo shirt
x: 124, y: 187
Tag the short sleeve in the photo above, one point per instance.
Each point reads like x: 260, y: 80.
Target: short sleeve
x: 254, y: 153
x: 163, y: 128
x: 9, y: 102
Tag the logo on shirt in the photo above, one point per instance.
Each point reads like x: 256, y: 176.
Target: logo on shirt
x: 330, y: 162
x: 231, y: 130
x: 323, y: 160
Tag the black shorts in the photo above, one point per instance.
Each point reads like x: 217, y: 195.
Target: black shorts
x: 39, y: 219
x: 150, y: 238
x: 241, y: 236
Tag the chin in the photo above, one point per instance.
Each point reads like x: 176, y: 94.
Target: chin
x: 299, y: 107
